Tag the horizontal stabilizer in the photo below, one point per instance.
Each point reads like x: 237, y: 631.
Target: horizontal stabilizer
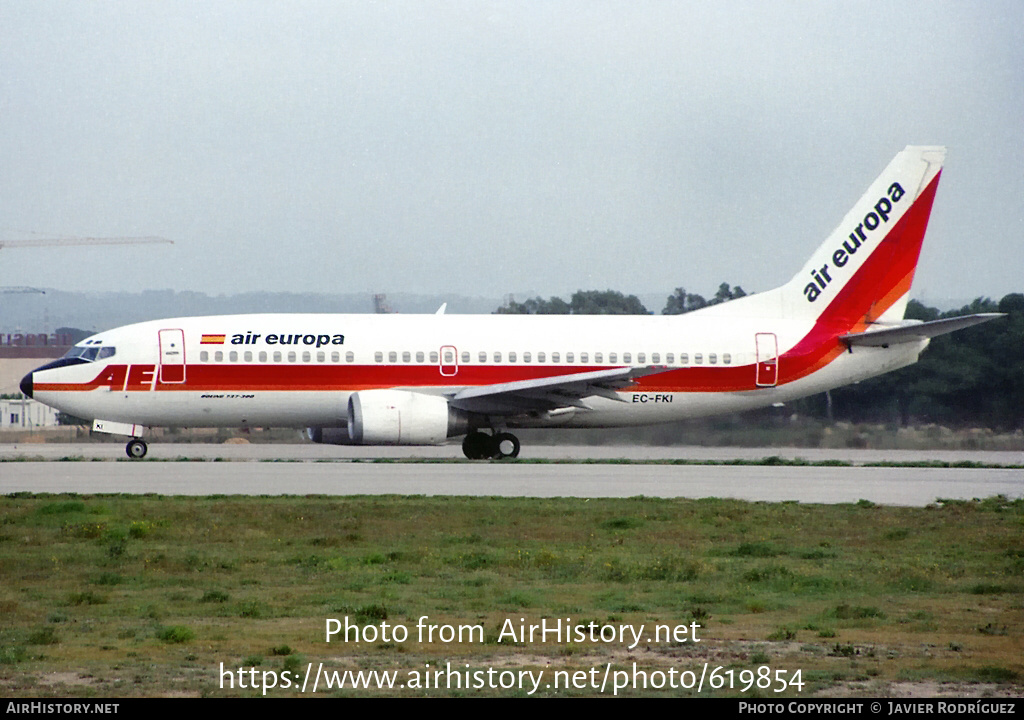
x: 916, y: 331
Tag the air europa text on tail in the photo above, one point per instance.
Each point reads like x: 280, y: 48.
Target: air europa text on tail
x: 872, y: 221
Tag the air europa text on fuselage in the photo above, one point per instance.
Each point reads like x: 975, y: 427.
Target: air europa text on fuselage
x: 872, y: 221
x: 319, y: 340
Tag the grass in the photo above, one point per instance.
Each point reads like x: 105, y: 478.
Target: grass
x: 146, y: 595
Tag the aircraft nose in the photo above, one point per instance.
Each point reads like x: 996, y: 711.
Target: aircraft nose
x: 26, y: 385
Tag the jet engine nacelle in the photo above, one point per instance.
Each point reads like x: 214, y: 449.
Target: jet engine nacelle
x: 399, y: 417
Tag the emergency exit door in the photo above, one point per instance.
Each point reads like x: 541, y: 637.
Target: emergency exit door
x: 449, y: 360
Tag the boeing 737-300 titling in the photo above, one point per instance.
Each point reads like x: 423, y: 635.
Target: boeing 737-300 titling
x: 420, y: 380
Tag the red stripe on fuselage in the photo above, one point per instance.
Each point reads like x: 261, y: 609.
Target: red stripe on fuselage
x: 351, y: 378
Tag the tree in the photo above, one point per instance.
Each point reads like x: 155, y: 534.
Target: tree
x: 680, y: 301
x: 535, y: 306
x: 724, y: 294
x: 608, y: 302
x: 583, y: 302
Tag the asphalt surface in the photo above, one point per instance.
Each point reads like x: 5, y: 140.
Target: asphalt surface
x: 331, y: 470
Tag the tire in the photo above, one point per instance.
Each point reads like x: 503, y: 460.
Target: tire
x: 136, y: 449
x: 506, y: 445
x: 477, y: 446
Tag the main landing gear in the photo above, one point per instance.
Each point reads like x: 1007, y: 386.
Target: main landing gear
x: 136, y: 449
x: 481, y: 446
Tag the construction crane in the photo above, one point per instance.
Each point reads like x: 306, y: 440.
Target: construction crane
x: 59, y: 242
x: 21, y: 289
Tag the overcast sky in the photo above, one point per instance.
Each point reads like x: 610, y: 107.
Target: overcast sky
x: 482, y: 148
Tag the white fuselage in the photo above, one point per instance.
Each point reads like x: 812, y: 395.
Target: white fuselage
x: 299, y: 370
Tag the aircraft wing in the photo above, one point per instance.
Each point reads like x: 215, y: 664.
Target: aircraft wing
x: 549, y: 393
x: 916, y: 331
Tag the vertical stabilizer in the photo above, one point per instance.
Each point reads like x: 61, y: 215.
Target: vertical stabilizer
x: 863, y: 271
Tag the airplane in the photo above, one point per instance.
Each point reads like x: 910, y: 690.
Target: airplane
x: 424, y: 379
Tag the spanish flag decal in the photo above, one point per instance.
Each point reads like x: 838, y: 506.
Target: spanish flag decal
x: 212, y: 340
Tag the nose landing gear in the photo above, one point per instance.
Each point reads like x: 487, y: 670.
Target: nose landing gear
x: 481, y: 446
x: 136, y: 449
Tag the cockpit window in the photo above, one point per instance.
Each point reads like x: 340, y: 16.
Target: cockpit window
x: 90, y: 354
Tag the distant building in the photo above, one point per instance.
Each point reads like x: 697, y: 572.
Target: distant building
x: 25, y: 414
x: 23, y: 352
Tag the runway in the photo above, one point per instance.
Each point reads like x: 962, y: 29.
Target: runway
x: 319, y: 470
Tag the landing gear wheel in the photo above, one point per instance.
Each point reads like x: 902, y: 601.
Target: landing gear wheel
x: 136, y: 449
x: 477, y: 446
x: 506, y: 445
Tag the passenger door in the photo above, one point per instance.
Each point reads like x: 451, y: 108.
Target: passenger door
x: 172, y: 357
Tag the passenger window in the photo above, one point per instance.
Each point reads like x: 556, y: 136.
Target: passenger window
x: 555, y: 357
x: 726, y: 358
x: 641, y: 357
x: 497, y: 357
x: 511, y: 357
x: 291, y: 356
x: 350, y: 356
x: 698, y: 358
x: 627, y: 357
x: 684, y: 359
x: 526, y: 357
x: 233, y: 356
x: 712, y: 358
x: 392, y: 357
x: 321, y: 357
x: 584, y: 357
x: 433, y: 356
x: 613, y: 357
x: 406, y: 356
x: 482, y: 356
x: 465, y: 356
x: 218, y: 356
x: 248, y: 356
x: 569, y: 357
x: 540, y: 357
x: 335, y: 357
x: 655, y: 357
x: 378, y: 356
x: 449, y: 357
x: 204, y: 356
x: 306, y: 356
x: 277, y: 356
x: 670, y: 358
